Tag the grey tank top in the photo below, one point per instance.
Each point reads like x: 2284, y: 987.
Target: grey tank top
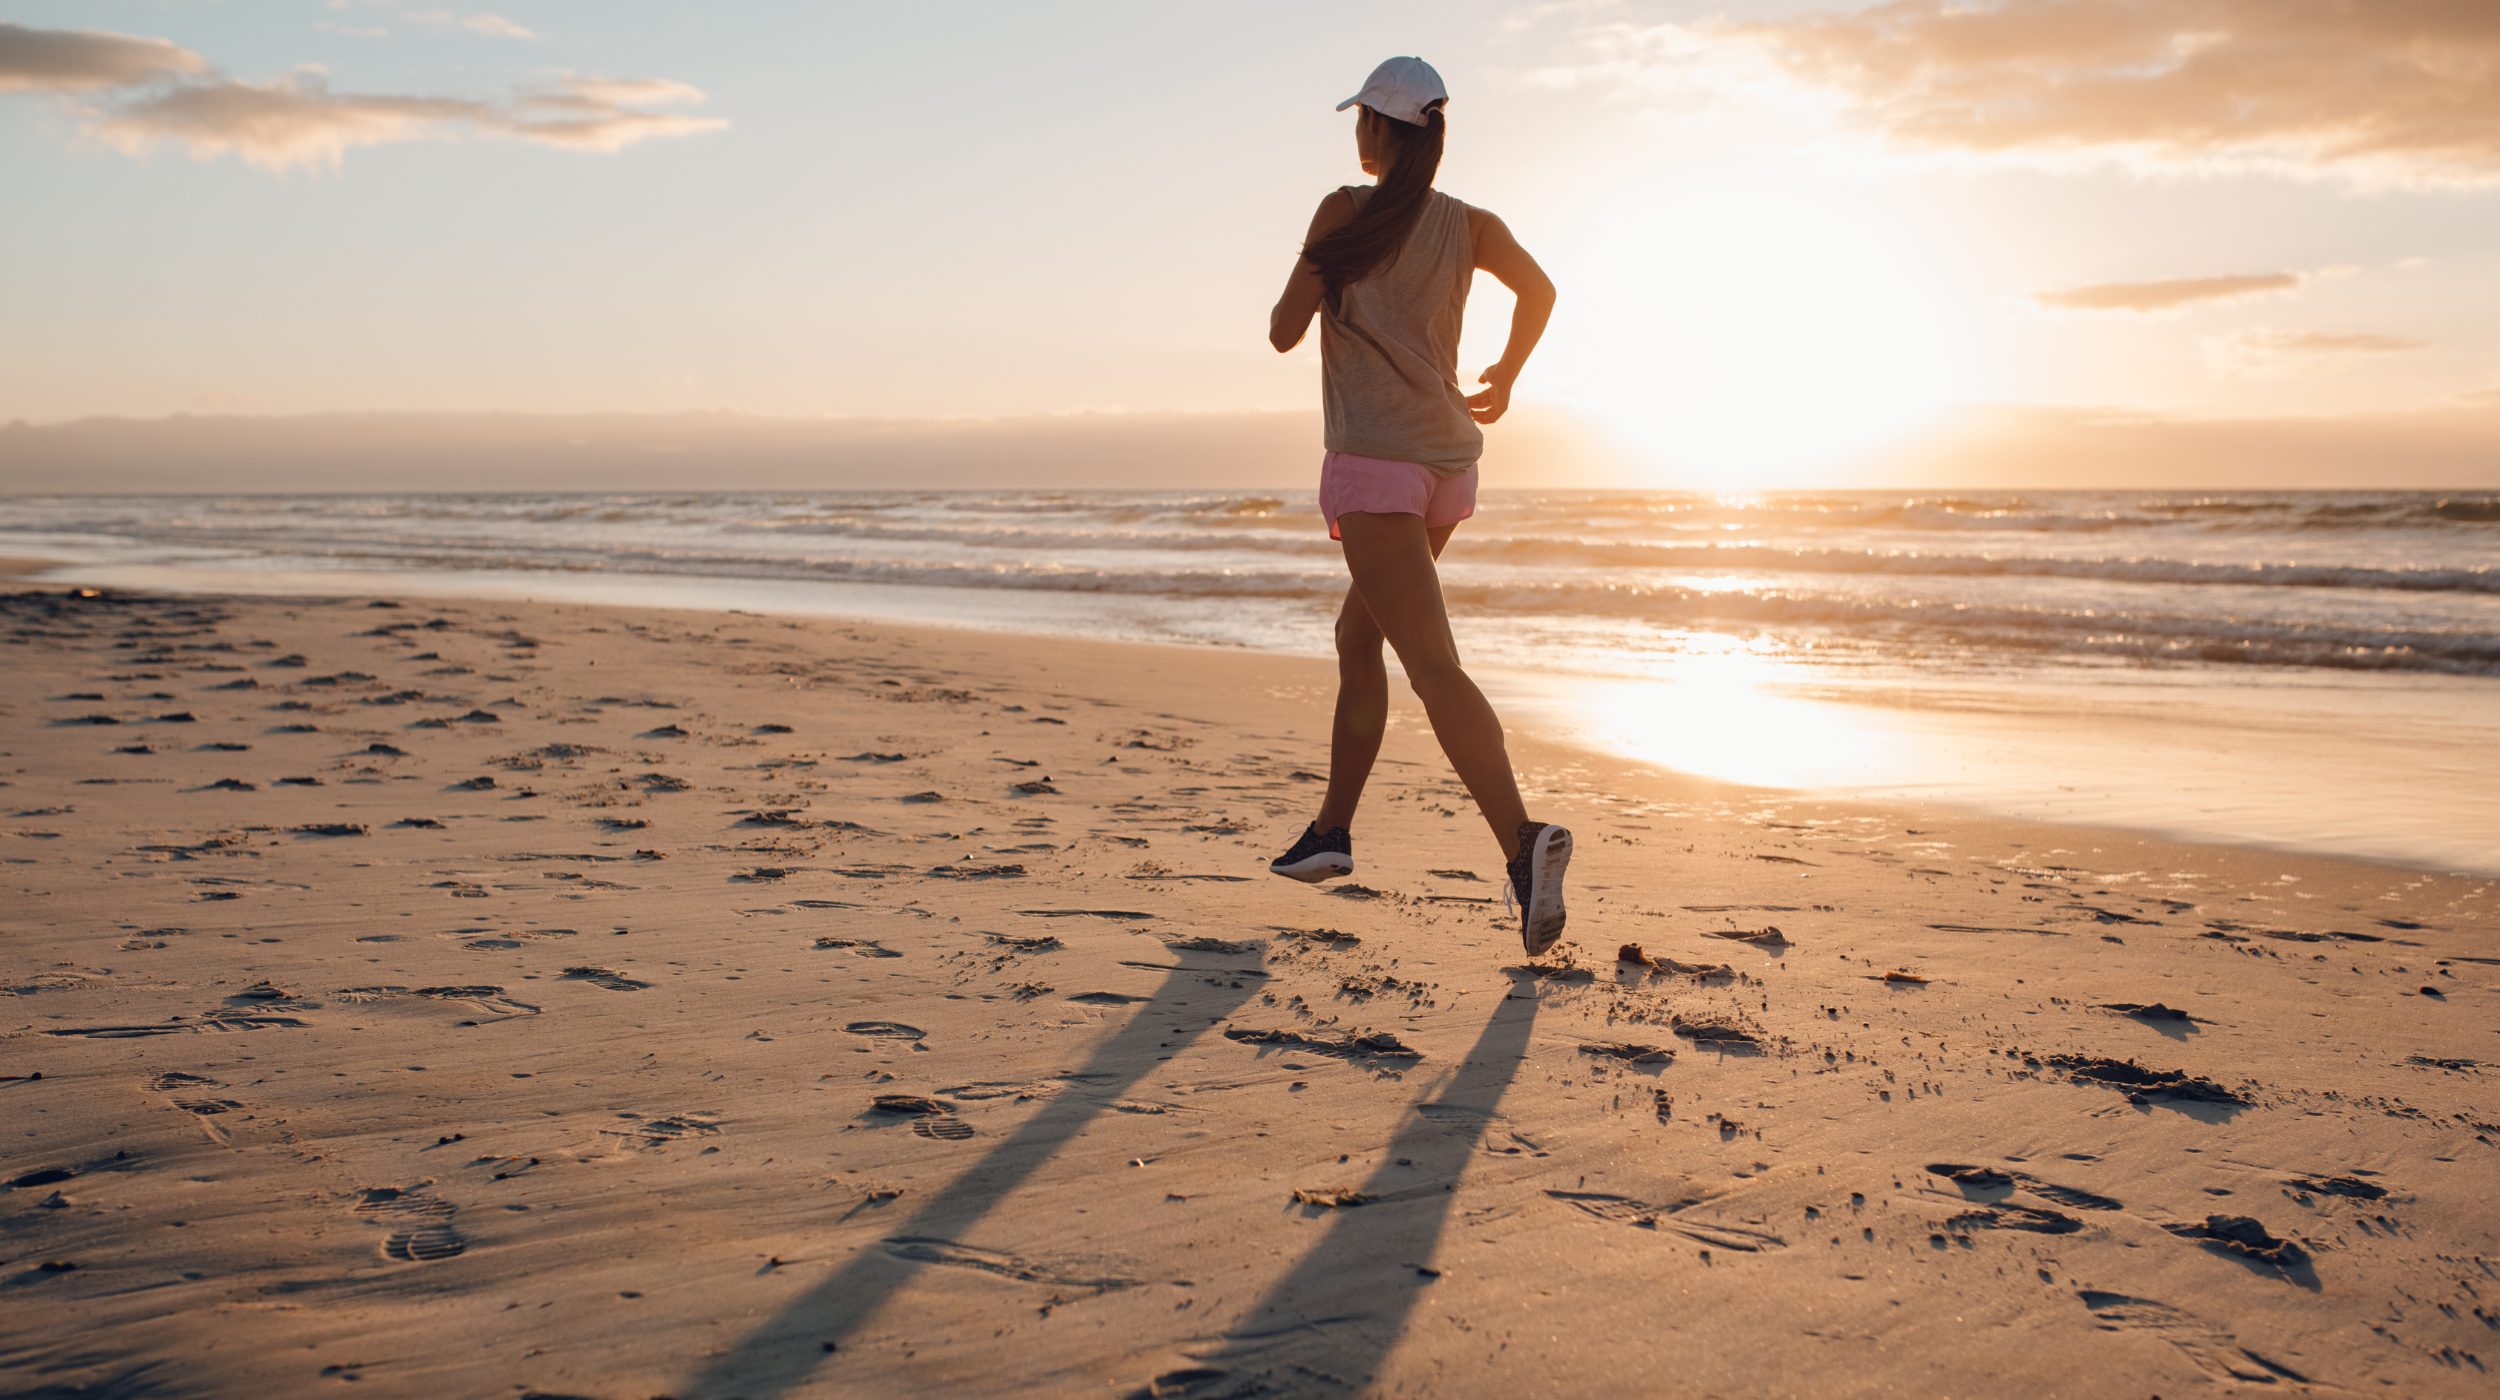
x: 1388, y: 351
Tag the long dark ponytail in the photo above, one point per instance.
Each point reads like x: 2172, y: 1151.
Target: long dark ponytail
x: 1358, y: 247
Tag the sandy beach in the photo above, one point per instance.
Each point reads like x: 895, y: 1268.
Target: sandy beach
x: 473, y: 999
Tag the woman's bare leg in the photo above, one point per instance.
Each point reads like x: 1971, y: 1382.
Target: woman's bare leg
x: 1362, y: 702
x: 1391, y: 559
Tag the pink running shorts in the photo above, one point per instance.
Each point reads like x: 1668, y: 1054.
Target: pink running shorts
x: 1377, y: 487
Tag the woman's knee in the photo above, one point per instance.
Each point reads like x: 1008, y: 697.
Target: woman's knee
x: 1358, y: 641
x: 1429, y: 676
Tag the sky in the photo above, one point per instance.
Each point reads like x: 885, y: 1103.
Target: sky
x: 1791, y: 239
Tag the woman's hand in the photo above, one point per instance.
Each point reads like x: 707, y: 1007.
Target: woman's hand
x: 1489, y: 405
x: 1500, y: 254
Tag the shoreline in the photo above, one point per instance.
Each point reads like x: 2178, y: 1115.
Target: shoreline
x: 627, y: 1001
x: 2116, y: 754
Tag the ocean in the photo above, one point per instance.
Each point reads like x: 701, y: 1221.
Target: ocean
x: 2315, y: 671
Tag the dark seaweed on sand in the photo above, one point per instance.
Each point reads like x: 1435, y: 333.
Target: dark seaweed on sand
x: 2162, y: 1083
x: 2142, y: 1012
x: 2242, y: 1235
x: 1379, y: 1044
x: 1332, y: 1200
x: 1768, y: 937
x: 2011, y: 1217
x: 865, y: 948
x: 1632, y: 953
x: 1627, y: 1051
x: 1962, y: 1175
x: 1712, y: 1032
x: 1211, y: 945
x: 2352, y: 1187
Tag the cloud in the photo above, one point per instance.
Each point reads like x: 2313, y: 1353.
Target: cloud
x: 2168, y: 294
x: 596, y: 114
x: 296, y: 120
x: 495, y: 25
x: 148, y: 92
x: 2396, y: 90
x: 2265, y: 351
x: 622, y: 92
x: 81, y: 60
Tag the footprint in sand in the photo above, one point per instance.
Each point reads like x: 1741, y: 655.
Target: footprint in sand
x: 173, y: 1081
x: 485, y: 999
x: 2007, y: 1216
x: 221, y: 1022
x: 2351, y: 1187
x: 654, y: 1133
x: 601, y: 977
x: 2209, y: 1347
x: 2071, y: 1196
x: 1019, y: 1090
x: 186, y: 1092
x: 420, y: 1226
x: 1629, y: 1211
x: 925, y: 1249
x: 859, y: 946
x: 891, y: 1029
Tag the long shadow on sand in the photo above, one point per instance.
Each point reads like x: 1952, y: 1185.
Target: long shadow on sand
x: 1324, y: 1328
x: 780, y: 1354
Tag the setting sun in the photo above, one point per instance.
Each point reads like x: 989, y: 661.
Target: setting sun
x: 1754, y: 326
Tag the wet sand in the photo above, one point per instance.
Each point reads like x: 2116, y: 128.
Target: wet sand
x: 487, y: 998
x: 15, y: 569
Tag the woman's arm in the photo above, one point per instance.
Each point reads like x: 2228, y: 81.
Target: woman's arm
x: 1500, y: 254
x: 1291, y: 320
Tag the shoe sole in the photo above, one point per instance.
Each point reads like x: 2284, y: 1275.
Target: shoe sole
x: 1541, y: 922
x: 1310, y: 870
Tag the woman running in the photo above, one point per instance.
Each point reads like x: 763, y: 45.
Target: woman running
x: 1386, y: 268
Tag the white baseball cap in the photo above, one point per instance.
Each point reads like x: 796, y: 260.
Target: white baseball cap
x: 1404, y: 88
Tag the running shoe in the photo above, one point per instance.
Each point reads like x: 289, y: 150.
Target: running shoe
x: 1319, y: 855
x: 1536, y: 884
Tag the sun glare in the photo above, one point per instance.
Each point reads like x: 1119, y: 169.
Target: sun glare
x: 1732, y: 332
x: 1720, y: 715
